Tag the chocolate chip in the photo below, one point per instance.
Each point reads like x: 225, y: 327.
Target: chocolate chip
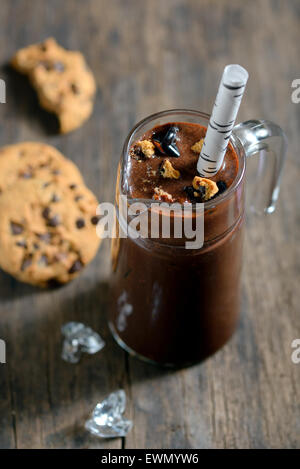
x: 36, y: 246
x: 60, y: 256
x: 165, y: 141
x: 59, y: 66
x: 27, y: 261
x: 46, y: 184
x: 26, y: 175
x: 190, y: 192
x: 222, y: 186
x: 43, y: 260
x: 95, y: 219
x: 80, y: 223
x: 43, y: 47
x: 46, y: 213
x: 78, y: 197
x: 16, y: 228
x: 22, y: 244
x: 51, y: 221
x: 45, y: 237
x: 161, y: 169
x: 56, y: 171
x: 55, y: 198
x: 47, y: 65
x: 201, y: 190
x: 75, y: 88
x: 76, y: 267
x: 54, y: 221
x: 72, y: 186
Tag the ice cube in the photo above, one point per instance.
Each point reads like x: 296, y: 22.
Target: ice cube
x: 107, y: 420
x: 79, y: 338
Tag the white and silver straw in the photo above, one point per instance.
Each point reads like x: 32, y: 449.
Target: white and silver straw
x: 228, y: 100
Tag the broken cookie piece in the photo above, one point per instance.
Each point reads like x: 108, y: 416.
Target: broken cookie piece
x: 197, y: 147
x: 210, y: 186
x: 64, y: 83
x: 146, y: 147
x: 167, y: 171
x: 160, y: 194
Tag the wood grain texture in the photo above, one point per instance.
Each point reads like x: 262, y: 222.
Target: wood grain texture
x: 148, y: 56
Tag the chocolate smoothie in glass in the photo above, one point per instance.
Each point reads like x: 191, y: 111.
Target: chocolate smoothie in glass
x: 171, y: 305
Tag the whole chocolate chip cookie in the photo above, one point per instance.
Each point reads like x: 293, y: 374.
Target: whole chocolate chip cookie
x: 31, y: 160
x: 47, y: 231
x: 64, y: 83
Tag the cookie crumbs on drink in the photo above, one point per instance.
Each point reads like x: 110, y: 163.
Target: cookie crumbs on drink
x: 211, y: 187
x: 167, y: 170
x: 147, y: 148
x: 160, y: 194
x: 197, y: 147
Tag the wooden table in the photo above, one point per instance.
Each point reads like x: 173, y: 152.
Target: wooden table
x: 148, y: 56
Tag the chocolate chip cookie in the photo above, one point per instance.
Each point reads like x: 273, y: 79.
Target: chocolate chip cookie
x: 47, y: 231
x: 31, y: 160
x: 64, y: 83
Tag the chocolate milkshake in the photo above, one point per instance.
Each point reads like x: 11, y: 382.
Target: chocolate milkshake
x: 172, y: 305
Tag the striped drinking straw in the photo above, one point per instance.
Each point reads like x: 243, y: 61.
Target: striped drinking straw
x: 228, y: 100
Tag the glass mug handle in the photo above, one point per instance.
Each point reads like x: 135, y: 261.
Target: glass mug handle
x: 268, y: 141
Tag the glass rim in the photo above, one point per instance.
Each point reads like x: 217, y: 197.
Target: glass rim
x: 234, y: 141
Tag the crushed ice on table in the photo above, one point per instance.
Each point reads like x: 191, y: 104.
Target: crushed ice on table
x: 107, y: 420
x: 79, y: 338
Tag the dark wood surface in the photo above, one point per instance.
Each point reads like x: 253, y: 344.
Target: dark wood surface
x: 148, y: 56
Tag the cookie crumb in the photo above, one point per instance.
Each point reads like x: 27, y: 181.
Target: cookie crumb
x: 147, y: 147
x: 160, y: 194
x: 167, y: 171
x: 211, y: 187
x: 197, y: 147
x: 63, y: 81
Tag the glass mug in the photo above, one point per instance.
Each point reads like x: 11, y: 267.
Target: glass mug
x: 175, y: 306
